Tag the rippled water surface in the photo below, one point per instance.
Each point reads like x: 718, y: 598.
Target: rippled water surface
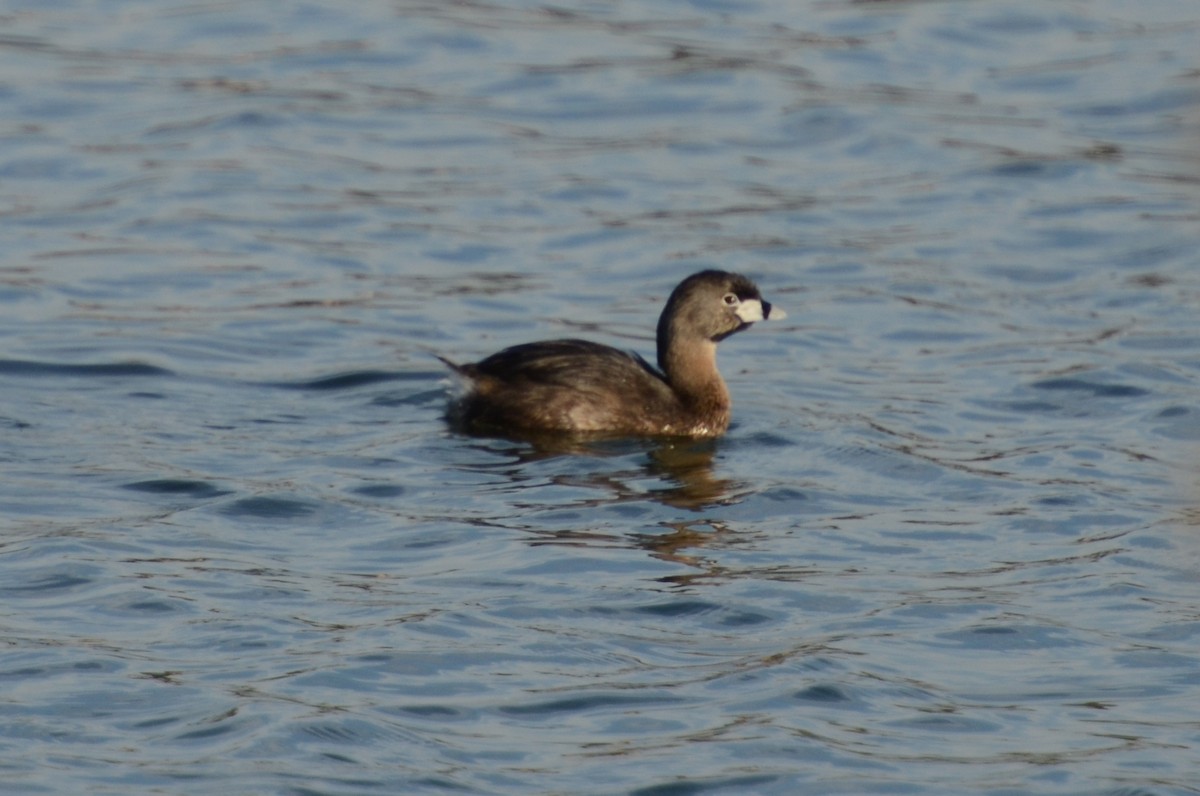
x: 950, y: 544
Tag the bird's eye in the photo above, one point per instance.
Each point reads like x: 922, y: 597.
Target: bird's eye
x: 730, y: 299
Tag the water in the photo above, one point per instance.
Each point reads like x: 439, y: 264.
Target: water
x: 949, y: 545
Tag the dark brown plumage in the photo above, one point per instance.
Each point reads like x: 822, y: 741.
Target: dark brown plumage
x: 576, y: 386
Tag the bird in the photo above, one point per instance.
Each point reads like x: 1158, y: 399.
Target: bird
x: 579, y: 387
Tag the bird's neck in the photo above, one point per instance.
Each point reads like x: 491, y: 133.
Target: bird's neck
x: 691, y: 369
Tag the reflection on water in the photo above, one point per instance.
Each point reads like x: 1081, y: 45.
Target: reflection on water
x: 680, y: 471
x: 689, y: 466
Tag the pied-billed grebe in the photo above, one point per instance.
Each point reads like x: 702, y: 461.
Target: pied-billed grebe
x: 575, y: 386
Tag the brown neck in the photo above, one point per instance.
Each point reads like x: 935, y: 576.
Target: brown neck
x: 691, y: 370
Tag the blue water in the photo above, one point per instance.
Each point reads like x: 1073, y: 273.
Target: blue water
x: 950, y: 545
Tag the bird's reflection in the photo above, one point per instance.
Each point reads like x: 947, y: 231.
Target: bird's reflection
x: 683, y: 467
x: 674, y: 545
x: 688, y: 467
x: 677, y: 473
